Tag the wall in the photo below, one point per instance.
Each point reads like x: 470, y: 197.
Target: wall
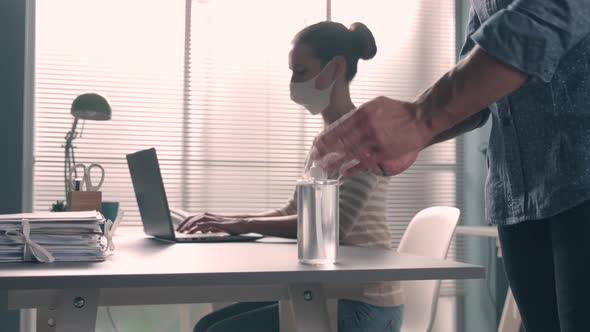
x: 483, y: 299
x: 480, y: 312
x: 12, y: 66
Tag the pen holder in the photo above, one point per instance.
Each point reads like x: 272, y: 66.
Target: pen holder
x: 85, y: 200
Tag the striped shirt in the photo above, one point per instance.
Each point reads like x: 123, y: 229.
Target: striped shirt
x: 363, y: 223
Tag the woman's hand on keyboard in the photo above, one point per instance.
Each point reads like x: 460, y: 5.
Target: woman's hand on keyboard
x: 191, y: 221
x: 230, y: 226
x: 209, y: 222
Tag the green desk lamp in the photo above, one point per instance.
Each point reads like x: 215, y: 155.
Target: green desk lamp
x: 87, y: 106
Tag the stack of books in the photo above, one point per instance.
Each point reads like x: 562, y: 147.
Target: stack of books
x: 54, y: 236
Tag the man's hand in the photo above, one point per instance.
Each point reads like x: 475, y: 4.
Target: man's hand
x: 385, y: 135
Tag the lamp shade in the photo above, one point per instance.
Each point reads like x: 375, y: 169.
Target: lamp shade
x: 91, y: 106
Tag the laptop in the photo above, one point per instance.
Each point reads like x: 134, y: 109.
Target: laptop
x: 153, y: 204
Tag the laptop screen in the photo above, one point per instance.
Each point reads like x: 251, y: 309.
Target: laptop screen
x: 150, y: 194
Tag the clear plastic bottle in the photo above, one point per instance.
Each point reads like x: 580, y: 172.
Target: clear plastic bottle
x: 317, y: 219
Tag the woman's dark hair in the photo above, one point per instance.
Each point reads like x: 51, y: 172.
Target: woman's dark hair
x: 329, y: 39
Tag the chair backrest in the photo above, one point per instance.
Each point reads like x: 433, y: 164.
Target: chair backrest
x: 429, y: 234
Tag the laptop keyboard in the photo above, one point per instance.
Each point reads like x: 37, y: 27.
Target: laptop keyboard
x: 219, y: 234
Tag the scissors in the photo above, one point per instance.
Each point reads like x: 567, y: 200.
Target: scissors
x: 87, y: 176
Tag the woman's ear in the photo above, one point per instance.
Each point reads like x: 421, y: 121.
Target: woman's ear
x: 340, y: 64
x: 333, y: 71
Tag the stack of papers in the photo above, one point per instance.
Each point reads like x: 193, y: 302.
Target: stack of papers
x: 54, y: 236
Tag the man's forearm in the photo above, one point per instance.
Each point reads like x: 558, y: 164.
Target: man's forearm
x: 463, y: 127
x: 475, y: 82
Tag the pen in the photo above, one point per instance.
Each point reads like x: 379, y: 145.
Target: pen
x: 77, y: 184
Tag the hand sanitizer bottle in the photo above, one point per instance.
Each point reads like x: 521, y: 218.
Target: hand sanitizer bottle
x: 317, y: 217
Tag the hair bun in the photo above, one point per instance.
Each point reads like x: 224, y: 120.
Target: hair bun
x: 364, y: 41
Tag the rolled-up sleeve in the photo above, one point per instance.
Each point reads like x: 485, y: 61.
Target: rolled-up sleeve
x: 533, y: 35
x: 472, y: 25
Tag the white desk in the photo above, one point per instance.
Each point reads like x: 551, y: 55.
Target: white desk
x: 510, y: 320
x: 147, y: 271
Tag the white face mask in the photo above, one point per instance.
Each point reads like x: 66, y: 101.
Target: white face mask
x: 307, y: 95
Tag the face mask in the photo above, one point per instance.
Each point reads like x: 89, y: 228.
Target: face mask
x: 307, y: 95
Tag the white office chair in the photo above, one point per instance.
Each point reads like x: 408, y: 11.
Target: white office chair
x: 428, y: 234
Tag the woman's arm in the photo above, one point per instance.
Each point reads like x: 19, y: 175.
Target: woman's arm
x: 191, y: 224
x: 354, y: 196
x: 280, y: 226
x: 287, y: 209
x: 269, y: 213
x: 281, y: 222
x: 283, y: 226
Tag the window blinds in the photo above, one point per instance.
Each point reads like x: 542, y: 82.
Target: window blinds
x: 415, y: 46
x: 132, y: 52
x: 247, y: 140
x: 215, y: 101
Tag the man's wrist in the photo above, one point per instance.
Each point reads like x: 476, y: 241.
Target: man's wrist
x: 434, y: 112
x: 430, y: 120
x: 475, y: 82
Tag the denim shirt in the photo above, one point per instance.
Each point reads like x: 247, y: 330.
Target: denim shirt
x: 539, y: 146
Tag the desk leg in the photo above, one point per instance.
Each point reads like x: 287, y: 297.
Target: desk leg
x: 74, y: 310
x: 28, y: 318
x: 286, y: 316
x: 308, y: 307
x: 511, y: 320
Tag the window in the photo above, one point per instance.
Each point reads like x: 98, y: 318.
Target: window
x: 206, y: 83
x: 215, y: 102
x: 246, y: 140
x: 212, y: 96
x: 131, y: 51
x: 415, y: 46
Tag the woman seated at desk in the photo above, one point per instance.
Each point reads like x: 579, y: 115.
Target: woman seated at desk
x: 324, y: 61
